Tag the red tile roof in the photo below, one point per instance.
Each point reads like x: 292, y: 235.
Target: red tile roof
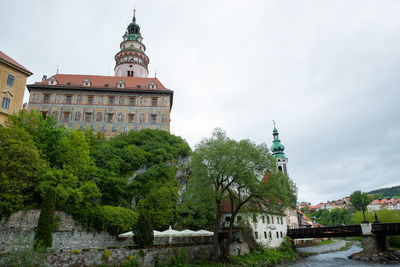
x: 14, y: 63
x: 97, y: 81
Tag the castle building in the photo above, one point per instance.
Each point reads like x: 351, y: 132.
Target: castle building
x: 277, y: 151
x: 129, y: 100
x: 12, y: 86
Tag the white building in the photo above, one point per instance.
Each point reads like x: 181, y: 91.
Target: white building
x: 269, y: 229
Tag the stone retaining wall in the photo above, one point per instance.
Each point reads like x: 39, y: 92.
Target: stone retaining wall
x: 93, y: 257
x: 19, y: 231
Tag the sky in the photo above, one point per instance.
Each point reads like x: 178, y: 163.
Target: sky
x: 326, y: 71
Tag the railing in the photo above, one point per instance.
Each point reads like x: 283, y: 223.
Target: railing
x: 320, y: 232
x: 386, y: 228
x: 382, y: 229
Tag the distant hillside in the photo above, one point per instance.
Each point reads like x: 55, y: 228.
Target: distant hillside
x: 387, y: 192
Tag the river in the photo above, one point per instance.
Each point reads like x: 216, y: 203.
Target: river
x: 333, y: 259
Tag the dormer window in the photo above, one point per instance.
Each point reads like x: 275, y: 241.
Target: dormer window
x: 106, y: 85
x: 86, y: 82
x: 120, y: 84
x: 52, y: 81
x: 153, y: 85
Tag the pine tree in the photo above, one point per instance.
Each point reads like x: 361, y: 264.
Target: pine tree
x: 143, y: 232
x: 44, y: 233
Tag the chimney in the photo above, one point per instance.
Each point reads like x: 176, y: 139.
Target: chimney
x: 44, y: 78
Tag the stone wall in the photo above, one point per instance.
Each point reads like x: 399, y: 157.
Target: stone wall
x: 19, y: 230
x: 93, y: 257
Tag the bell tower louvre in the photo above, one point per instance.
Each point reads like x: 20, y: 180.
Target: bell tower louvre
x: 131, y: 60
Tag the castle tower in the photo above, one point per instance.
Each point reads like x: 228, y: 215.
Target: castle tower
x: 277, y: 151
x: 131, y: 61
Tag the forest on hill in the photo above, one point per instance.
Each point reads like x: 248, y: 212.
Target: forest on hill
x: 387, y: 192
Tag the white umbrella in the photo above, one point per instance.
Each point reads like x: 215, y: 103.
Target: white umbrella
x: 188, y: 232
x: 126, y: 235
x: 130, y: 234
x: 204, y: 233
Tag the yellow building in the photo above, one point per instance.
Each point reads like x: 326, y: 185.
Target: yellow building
x: 12, y: 86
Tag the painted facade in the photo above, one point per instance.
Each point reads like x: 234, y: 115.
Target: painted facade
x: 129, y: 100
x: 12, y: 86
x: 105, y: 104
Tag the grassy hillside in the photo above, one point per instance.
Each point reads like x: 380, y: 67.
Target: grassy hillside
x: 387, y: 192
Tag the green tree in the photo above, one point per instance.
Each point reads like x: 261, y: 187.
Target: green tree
x: 44, y: 233
x: 197, y: 210
x: 20, y: 169
x: 234, y: 171
x: 360, y: 200
x: 159, y: 206
x: 46, y: 134
x: 143, y: 234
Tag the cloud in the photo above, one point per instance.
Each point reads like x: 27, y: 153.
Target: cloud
x: 326, y: 71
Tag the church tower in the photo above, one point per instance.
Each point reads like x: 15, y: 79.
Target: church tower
x: 277, y: 151
x: 131, y: 61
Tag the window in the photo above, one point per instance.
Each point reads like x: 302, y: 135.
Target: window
x: 263, y: 219
x: 44, y: 115
x: 98, y: 116
x: 88, y: 117
x: 77, y: 116
x: 110, y: 117
x: 153, y: 118
x: 281, y: 235
x: 281, y: 220
x: 154, y: 101
x: 265, y: 235
x: 132, y: 101
x: 277, y: 234
x: 228, y: 218
x: 90, y: 100
x: 269, y: 235
x: 256, y: 234
x: 66, y: 116
x: 272, y: 219
x: 68, y: 99
x: 111, y: 100
x: 268, y: 221
x: 164, y: 118
x: 10, y: 80
x: 277, y: 220
x: 131, y: 118
x: 46, y: 99
x: 6, y: 103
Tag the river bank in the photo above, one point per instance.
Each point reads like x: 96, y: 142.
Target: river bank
x: 331, y: 255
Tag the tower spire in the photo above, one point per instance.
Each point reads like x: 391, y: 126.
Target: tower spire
x: 277, y: 151
x: 131, y: 60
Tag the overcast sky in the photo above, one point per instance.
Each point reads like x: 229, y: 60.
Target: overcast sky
x: 326, y: 71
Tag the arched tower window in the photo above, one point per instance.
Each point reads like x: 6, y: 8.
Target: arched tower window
x: 280, y: 168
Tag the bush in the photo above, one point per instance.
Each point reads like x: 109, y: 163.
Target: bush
x: 143, y: 232
x: 44, y: 233
x: 115, y: 220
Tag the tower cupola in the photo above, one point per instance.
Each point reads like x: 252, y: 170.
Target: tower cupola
x: 131, y: 60
x: 277, y: 150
